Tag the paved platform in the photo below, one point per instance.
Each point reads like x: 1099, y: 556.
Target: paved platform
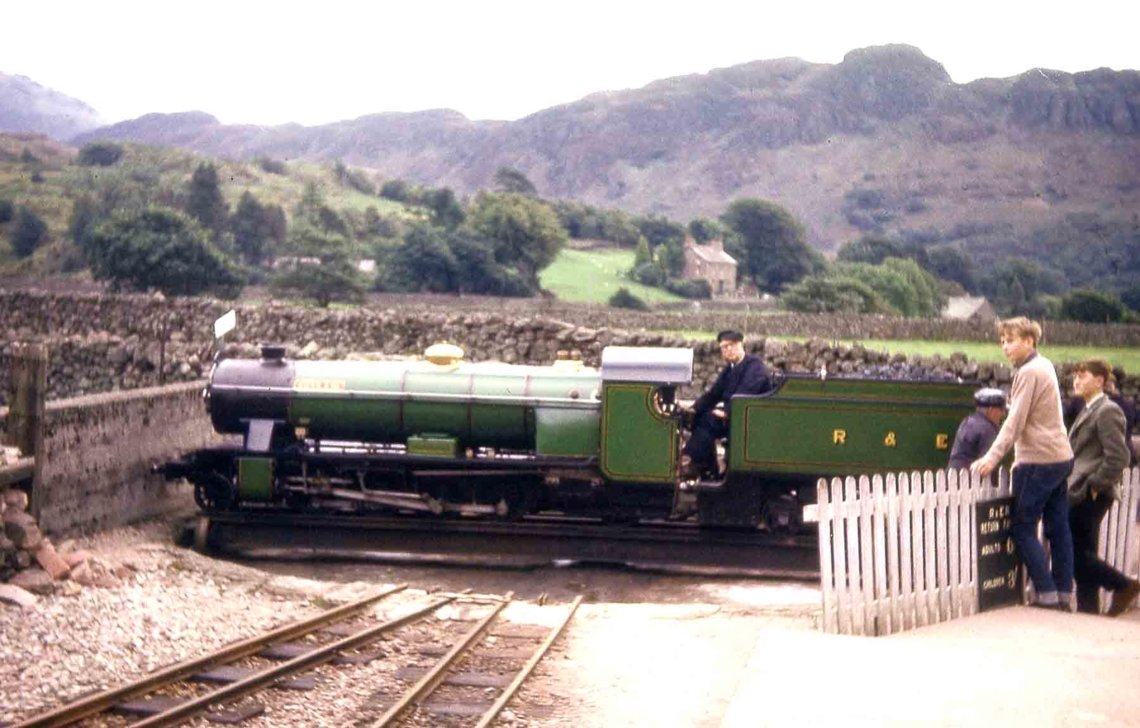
x: 1017, y: 666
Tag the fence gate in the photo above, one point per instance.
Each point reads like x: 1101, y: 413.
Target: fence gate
x: 899, y: 551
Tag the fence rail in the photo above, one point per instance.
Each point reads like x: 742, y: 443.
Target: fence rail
x: 899, y: 551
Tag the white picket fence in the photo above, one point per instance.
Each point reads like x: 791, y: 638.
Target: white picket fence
x: 897, y: 551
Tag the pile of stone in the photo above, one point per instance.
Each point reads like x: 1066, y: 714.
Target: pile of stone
x: 30, y: 563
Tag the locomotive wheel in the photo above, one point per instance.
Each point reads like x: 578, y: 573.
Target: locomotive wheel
x: 216, y: 492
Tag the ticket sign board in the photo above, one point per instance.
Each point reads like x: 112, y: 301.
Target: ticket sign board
x: 999, y: 568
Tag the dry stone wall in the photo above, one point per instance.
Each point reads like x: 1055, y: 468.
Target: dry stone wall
x: 107, y: 342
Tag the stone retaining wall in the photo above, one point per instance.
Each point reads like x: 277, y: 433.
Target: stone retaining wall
x: 30, y: 314
x: 98, y: 451
x: 105, y: 362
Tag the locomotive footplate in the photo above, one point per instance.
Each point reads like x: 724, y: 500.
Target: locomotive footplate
x: 531, y: 543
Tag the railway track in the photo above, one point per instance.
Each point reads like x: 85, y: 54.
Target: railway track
x: 474, y: 678
x: 237, y: 682
x: 529, y: 543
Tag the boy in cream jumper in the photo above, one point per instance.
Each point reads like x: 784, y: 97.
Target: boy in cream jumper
x: 1042, y: 459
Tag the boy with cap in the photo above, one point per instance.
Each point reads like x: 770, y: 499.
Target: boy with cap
x: 977, y: 432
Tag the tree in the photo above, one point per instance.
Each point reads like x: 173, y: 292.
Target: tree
x: 422, y: 262
x: 512, y: 180
x: 821, y: 293
x: 1130, y: 297
x: 258, y: 229
x: 928, y: 298
x: 769, y: 243
x: 395, y: 189
x: 524, y: 233
x: 99, y: 154
x: 950, y: 263
x: 312, y: 200
x: 477, y: 271
x: 895, y: 290
x: 648, y: 274
x: 659, y: 230
x: 671, y: 257
x: 642, y: 255
x: 618, y: 228
x: 319, y: 266
x: 873, y: 249
x: 1085, y: 304
x: 703, y: 229
x: 445, y: 209
x: 1014, y: 286
x: 313, y: 210
x: 159, y: 248
x: 27, y: 232
x: 205, y: 203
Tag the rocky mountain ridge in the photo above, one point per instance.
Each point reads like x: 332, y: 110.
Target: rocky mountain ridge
x: 26, y: 106
x: 884, y: 141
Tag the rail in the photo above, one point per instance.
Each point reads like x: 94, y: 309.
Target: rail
x: 472, y: 647
x: 100, y: 702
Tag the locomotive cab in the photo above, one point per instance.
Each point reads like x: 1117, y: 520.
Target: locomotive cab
x: 641, y: 428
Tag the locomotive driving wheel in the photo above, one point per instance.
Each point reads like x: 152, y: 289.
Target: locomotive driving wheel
x: 215, y: 492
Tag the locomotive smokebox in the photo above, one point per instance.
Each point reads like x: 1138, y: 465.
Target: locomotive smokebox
x: 242, y: 390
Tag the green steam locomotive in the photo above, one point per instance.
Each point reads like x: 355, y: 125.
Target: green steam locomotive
x: 445, y: 436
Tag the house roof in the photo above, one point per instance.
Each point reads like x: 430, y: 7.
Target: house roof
x: 711, y: 254
x: 963, y: 307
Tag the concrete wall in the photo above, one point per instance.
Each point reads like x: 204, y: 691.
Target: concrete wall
x: 99, y: 450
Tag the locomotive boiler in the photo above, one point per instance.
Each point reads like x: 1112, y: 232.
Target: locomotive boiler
x: 444, y: 436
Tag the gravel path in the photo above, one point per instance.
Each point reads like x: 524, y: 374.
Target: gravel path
x: 617, y: 665
x: 174, y: 604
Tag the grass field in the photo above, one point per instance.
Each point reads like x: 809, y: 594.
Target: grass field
x: 1128, y: 358
x: 592, y: 276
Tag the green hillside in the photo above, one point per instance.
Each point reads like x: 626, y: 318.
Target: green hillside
x: 592, y: 276
x: 45, y: 177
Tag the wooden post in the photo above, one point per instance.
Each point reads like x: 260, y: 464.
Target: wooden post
x: 163, y: 334
x: 26, y: 395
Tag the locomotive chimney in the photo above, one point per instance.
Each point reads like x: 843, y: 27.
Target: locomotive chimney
x: 272, y: 353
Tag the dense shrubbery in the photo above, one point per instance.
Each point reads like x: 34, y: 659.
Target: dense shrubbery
x: 822, y: 293
x: 28, y: 231
x: 272, y: 166
x: 695, y: 288
x: 624, y: 299
x: 162, y: 249
x: 100, y: 154
x: 396, y: 190
x: 1092, y: 307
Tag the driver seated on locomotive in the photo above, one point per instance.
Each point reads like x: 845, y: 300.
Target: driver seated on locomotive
x: 743, y: 374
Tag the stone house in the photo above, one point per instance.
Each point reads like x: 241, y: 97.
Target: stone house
x: 709, y: 261
x: 969, y: 308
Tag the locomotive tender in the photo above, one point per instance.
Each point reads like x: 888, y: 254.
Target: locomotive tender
x: 445, y: 436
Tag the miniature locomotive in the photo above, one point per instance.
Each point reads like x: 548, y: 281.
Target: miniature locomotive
x: 445, y: 436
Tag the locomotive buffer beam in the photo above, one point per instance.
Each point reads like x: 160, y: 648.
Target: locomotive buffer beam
x: 531, y: 543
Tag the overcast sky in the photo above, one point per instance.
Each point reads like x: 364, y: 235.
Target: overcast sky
x: 317, y: 62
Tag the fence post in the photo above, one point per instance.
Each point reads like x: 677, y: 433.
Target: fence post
x: 27, y: 391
